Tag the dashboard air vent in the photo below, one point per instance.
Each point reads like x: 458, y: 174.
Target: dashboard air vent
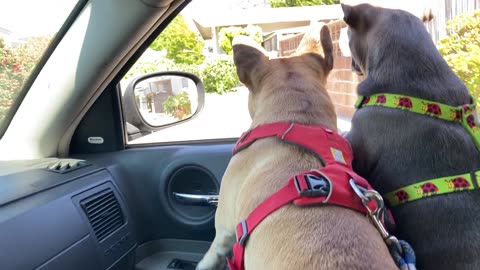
x: 104, y: 213
x: 67, y: 165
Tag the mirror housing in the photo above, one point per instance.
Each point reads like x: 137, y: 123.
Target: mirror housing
x: 159, y: 100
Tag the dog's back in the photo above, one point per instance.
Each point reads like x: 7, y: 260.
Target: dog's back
x: 395, y: 148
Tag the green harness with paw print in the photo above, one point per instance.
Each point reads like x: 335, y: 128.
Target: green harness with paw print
x: 465, y: 115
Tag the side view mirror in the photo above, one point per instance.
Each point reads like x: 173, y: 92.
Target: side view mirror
x: 158, y: 100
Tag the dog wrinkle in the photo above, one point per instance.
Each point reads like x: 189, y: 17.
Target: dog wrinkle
x: 291, y: 75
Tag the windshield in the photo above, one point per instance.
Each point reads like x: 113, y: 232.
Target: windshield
x: 26, y: 29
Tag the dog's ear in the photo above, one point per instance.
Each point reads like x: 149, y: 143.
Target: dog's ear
x: 327, y: 46
x: 427, y: 15
x: 249, y: 58
x: 358, y: 17
x: 350, y: 15
x: 318, y: 40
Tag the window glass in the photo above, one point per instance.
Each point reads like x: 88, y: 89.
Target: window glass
x: 199, y: 43
x: 26, y: 29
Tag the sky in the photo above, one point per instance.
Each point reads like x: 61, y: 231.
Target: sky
x: 37, y: 17
x: 34, y: 17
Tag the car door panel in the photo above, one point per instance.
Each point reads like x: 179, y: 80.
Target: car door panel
x: 148, y: 175
x: 144, y: 176
x: 167, y: 229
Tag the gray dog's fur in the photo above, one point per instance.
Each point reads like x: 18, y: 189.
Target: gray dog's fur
x: 395, y: 148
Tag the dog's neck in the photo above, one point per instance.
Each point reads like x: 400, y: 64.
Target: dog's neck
x: 303, y: 106
x: 392, y: 70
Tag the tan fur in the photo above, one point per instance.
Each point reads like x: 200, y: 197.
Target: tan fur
x: 322, y: 237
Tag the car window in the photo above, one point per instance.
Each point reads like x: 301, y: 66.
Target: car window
x: 199, y: 43
x: 26, y: 29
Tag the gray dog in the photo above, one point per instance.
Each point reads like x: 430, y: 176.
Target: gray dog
x: 411, y: 128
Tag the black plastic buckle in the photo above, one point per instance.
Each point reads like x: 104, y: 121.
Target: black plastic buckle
x: 244, y: 236
x: 318, y: 186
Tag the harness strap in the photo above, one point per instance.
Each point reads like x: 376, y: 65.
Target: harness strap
x: 433, y: 187
x: 307, y: 137
x: 314, y: 187
x: 309, y: 188
x: 465, y: 114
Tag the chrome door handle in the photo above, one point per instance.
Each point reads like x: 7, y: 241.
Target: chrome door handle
x: 194, y: 199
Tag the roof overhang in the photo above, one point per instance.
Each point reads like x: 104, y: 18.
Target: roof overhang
x: 269, y: 19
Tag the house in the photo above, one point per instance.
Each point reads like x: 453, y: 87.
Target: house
x: 283, y: 29
x: 276, y: 23
x: 342, y: 82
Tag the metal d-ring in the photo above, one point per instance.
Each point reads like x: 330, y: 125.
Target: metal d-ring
x: 359, y: 191
x: 376, y: 214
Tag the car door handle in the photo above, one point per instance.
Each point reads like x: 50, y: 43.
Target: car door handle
x: 195, y: 199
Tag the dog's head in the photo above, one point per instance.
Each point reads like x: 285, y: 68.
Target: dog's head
x: 275, y: 83
x: 369, y: 25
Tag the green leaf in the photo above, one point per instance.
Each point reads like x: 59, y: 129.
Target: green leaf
x: 181, y: 43
x: 227, y: 34
x: 461, y: 49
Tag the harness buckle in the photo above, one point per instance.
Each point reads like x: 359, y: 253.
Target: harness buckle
x: 313, y: 184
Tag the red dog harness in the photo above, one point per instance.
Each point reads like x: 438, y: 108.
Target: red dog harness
x: 326, y: 185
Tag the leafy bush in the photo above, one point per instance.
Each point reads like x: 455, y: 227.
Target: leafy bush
x: 16, y: 64
x: 194, y: 69
x: 226, y: 35
x: 220, y: 76
x: 144, y: 67
x: 461, y: 49
x: 12, y: 78
x: 179, y: 106
x: 181, y: 43
x: 156, y: 61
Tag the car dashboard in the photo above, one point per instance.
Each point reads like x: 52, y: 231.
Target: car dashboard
x: 63, y: 214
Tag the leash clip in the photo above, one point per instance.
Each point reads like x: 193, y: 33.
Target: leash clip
x: 376, y: 214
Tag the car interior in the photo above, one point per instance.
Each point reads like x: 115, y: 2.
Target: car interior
x: 68, y: 203
x: 86, y: 180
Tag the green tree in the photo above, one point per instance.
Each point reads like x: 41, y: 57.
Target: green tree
x: 226, y: 35
x: 461, y: 49
x: 181, y: 43
x: 298, y: 3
